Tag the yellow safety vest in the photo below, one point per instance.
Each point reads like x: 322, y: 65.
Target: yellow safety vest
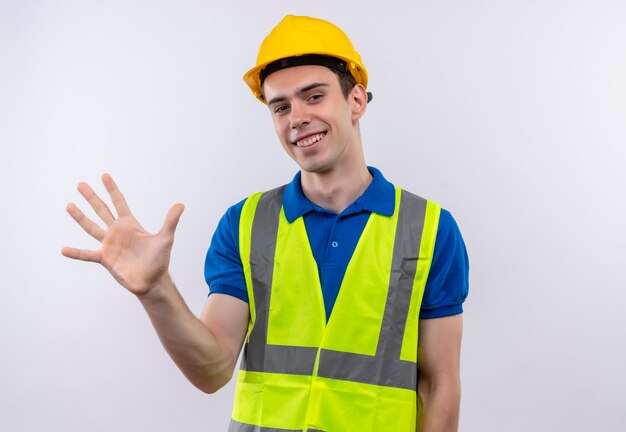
x: 358, y: 372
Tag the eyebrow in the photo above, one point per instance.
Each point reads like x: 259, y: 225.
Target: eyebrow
x: 298, y: 92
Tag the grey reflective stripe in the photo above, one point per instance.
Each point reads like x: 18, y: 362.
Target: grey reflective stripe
x: 236, y: 426
x: 262, y: 249
x: 366, y: 369
x: 283, y: 359
x: 385, y: 368
x: 403, y: 268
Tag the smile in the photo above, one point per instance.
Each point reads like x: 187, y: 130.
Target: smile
x: 308, y: 141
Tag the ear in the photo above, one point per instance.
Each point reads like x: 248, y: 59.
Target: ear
x: 358, y: 101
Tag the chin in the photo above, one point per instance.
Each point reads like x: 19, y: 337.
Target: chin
x: 315, y: 169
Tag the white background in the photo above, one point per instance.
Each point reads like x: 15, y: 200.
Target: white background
x: 511, y: 114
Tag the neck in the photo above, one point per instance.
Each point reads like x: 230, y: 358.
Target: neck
x: 335, y: 190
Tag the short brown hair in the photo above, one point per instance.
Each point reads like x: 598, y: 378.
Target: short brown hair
x: 346, y: 82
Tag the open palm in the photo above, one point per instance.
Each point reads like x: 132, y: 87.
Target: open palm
x: 136, y: 258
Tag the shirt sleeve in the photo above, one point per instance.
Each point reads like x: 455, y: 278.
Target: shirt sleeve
x: 447, y: 285
x: 223, y: 270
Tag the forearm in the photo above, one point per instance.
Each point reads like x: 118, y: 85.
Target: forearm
x: 197, y: 352
x: 440, y: 405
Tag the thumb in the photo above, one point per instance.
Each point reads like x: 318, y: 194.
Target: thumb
x: 171, y: 219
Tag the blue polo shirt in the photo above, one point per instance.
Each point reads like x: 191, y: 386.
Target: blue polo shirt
x: 333, y: 239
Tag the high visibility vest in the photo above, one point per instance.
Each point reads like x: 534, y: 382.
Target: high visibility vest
x: 356, y: 372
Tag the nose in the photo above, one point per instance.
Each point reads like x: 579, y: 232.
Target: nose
x: 298, y: 115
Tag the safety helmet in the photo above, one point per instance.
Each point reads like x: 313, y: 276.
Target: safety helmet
x: 307, y: 38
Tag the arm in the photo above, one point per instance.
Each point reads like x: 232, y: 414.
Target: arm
x: 204, y: 349
x: 439, y: 387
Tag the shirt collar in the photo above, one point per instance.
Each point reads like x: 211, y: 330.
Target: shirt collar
x: 379, y: 197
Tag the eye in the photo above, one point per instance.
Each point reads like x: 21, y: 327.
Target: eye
x: 280, y: 109
x: 316, y: 97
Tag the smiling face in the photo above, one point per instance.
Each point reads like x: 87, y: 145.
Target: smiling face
x: 316, y: 124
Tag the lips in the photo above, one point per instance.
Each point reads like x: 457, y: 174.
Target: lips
x: 310, y: 140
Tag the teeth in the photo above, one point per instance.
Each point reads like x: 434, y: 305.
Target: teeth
x: 310, y: 140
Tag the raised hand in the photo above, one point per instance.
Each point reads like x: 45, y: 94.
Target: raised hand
x: 137, y: 259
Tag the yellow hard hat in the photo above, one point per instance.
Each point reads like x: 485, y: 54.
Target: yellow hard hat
x: 304, y: 37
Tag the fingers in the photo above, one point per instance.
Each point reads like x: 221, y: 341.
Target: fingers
x: 121, y: 206
x: 81, y: 254
x: 96, y: 203
x: 90, y: 227
x: 171, y: 219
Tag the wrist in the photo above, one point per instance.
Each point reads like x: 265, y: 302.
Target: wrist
x: 158, y: 291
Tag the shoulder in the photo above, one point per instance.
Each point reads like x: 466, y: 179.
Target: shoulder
x: 449, y: 244
x: 448, y: 227
x: 231, y: 219
x: 448, y: 285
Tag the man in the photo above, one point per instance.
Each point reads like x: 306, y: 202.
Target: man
x: 344, y: 288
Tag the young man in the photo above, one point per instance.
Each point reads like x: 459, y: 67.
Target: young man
x: 346, y: 290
